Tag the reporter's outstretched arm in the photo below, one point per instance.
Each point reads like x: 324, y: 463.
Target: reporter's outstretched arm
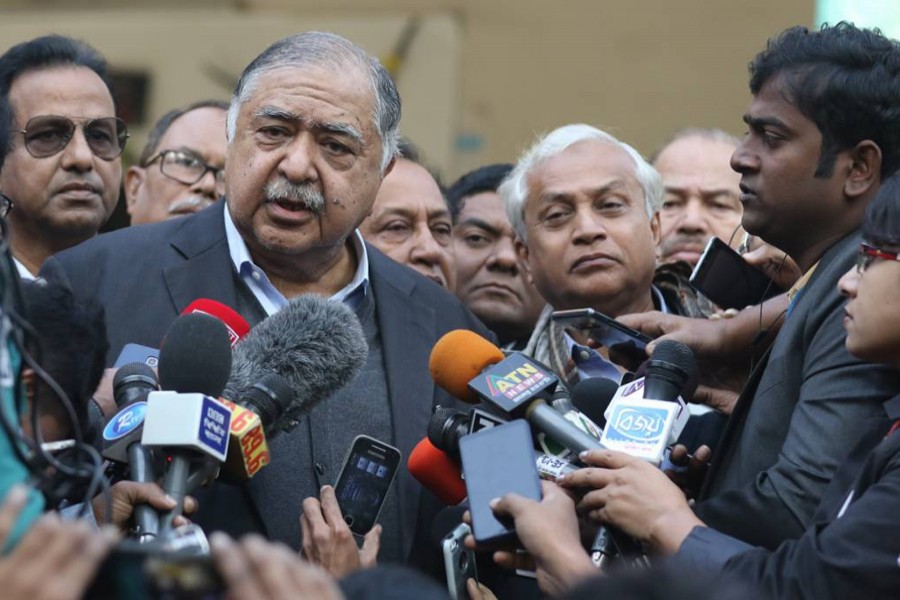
x: 125, y: 495
x: 548, y: 530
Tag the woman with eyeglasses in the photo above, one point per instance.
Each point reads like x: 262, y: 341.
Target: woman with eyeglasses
x: 853, y: 548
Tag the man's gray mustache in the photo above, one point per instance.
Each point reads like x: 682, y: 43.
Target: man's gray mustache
x: 304, y: 193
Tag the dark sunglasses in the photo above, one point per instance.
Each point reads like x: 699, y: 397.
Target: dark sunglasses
x: 867, y: 254
x: 47, y: 135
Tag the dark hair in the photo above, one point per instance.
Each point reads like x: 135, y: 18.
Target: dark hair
x: 881, y: 226
x: 162, y: 125
x: 483, y: 179
x: 844, y: 79
x: 72, y: 339
x: 41, y: 53
x: 5, y: 139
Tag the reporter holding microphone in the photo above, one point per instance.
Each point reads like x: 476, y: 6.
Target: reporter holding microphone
x: 852, y: 548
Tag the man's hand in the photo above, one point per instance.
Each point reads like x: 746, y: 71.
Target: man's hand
x: 549, y: 532
x: 479, y: 591
x: 103, y: 396
x: 261, y: 570
x: 328, y: 541
x: 636, y: 497
x: 54, y: 560
x: 125, y: 495
x: 778, y: 266
x: 706, y: 338
x: 691, y: 479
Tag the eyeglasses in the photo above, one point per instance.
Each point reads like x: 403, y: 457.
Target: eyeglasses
x: 6, y: 205
x: 187, y: 168
x: 867, y: 254
x: 47, y: 135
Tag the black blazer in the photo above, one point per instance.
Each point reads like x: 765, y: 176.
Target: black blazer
x: 145, y: 276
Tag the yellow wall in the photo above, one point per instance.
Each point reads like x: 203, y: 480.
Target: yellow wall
x: 491, y: 73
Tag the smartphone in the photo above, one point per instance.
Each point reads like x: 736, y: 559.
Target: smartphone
x: 606, y: 331
x: 459, y: 563
x: 132, y: 353
x: 498, y: 461
x: 723, y: 276
x: 364, y: 482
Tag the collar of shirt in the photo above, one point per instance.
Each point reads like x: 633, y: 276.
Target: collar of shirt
x: 796, y: 290
x: 591, y: 363
x: 24, y: 273
x: 269, y: 297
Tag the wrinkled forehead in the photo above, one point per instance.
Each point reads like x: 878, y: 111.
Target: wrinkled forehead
x: 68, y: 91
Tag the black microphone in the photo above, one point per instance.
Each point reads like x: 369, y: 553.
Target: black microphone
x: 592, y: 397
x: 446, y: 427
x: 316, y: 344
x: 122, y: 437
x: 671, y: 366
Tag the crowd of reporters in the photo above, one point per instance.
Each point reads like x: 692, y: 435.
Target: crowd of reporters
x: 296, y: 212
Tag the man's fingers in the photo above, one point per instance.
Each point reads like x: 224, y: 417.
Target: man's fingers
x: 306, y: 539
x: 607, y: 459
x: 13, y: 503
x: 514, y: 560
x: 190, y: 505
x: 510, y: 504
x: 679, y: 455
x: 701, y: 457
x: 330, y: 508
x: 313, y: 512
x: 368, y: 554
x: 233, y: 567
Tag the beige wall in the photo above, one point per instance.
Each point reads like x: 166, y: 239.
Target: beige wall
x: 489, y: 72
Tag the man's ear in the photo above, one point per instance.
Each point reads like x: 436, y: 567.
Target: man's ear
x: 134, y: 179
x: 655, y: 229
x: 864, y: 169
x: 390, y: 167
x: 522, y: 253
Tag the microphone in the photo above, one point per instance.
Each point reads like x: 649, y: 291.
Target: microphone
x: 131, y: 385
x: 235, y: 324
x: 251, y: 416
x: 469, y: 366
x: 436, y: 472
x: 669, y: 370
x: 644, y: 422
x: 315, y: 344
x: 195, y: 356
x: 194, y: 363
x: 592, y: 396
x: 445, y: 428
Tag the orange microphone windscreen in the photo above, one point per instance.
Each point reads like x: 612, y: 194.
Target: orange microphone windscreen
x: 436, y: 472
x: 457, y: 358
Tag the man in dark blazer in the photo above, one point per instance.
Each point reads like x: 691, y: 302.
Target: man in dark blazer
x: 807, y: 175
x: 304, y: 163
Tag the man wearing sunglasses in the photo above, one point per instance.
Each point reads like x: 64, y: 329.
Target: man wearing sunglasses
x: 181, y: 169
x: 63, y: 169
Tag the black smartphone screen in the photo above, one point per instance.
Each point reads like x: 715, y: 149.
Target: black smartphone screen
x: 723, y: 276
x: 606, y: 331
x: 364, y: 482
x: 496, y: 462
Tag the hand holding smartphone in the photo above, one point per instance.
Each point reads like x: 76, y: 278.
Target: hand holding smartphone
x: 364, y: 482
x: 620, y: 340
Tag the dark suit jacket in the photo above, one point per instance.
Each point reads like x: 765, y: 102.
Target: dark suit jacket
x: 145, y: 276
x: 803, y: 408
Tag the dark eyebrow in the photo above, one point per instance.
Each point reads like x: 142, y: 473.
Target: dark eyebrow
x: 272, y: 112
x: 762, y: 122
x: 480, y: 224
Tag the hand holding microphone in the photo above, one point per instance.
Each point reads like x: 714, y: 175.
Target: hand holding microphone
x: 634, y: 496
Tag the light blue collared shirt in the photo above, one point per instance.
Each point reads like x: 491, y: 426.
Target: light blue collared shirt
x: 591, y: 363
x: 269, y: 297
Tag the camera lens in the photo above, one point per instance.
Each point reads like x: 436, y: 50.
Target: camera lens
x: 463, y: 561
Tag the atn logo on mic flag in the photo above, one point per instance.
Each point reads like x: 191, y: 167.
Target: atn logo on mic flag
x: 512, y: 381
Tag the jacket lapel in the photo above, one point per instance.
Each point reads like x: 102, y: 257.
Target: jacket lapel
x: 207, y: 264
x: 408, y: 331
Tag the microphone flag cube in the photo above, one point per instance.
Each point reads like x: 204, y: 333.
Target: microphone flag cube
x: 187, y: 421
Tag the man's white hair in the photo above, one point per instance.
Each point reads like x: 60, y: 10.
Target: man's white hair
x: 514, y: 189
